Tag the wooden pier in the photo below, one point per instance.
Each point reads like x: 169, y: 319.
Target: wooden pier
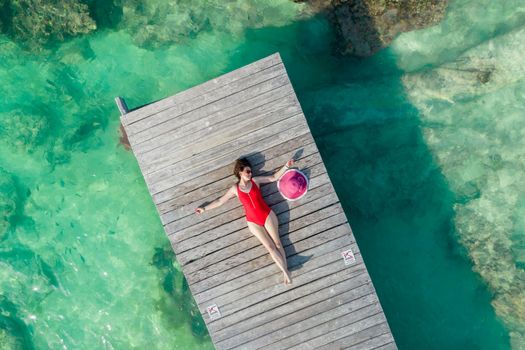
x: 186, y: 145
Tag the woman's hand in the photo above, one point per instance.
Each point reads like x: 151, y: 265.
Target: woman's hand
x: 290, y: 163
x: 199, y: 210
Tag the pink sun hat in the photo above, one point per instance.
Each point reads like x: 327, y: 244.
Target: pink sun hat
x: 293, y: 184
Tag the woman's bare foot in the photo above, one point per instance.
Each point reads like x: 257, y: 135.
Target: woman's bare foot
x: 287, y: 278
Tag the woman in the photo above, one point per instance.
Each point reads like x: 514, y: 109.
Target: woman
x: 259, y: 216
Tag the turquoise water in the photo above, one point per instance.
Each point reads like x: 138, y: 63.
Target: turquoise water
x: 423, y: 142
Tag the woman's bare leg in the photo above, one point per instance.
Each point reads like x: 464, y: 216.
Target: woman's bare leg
x: 259, y: 232
x: 272, y: 227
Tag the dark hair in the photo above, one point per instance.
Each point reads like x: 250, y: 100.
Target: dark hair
x: 240, y: 164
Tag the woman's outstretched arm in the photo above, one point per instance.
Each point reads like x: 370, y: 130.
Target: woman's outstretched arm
x: 275, y: 176
x: 218, y: 202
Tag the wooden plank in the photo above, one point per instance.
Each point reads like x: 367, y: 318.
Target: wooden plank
x: 201, y: 169
x: 305, y: 320
x: 243, y: 232
x: 236, y: 220
x: 389, y: 346
x: 249, y: 266
x: 192, y: 225
x: 317, y: 178
x: 200, y: 163
x: 274, y: 281
x: 270, y: 287
x: 259, y: 94
x: 244, y: 257
x: 180, y: 110
x: 337, y: 317
x: 297, y: 298
x: 199, y: 154
x: 274, y: 296
x: 258, y: 160
x: 186, y: 203
x: 211, y: 138
x: 255, y: 275
x: 208, y: 245
x: 232, y: 209
x: 272, y: 284
x: 216, y: 184
x: 253, y: 100
x: 254, y: 246
x: 374, y: 327
x: 374, y: 343
x: 189, y: 226
x: 205, y: 87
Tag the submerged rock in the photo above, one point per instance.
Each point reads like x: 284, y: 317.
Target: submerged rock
x: 39, y: 21
x: 8, y: 200
x: 471, y: 110
x: 15, y: 334
x: 24, y: 132
x: 8, y: 341
x: 367, y: 26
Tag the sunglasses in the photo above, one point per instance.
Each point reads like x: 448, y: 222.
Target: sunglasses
x: 247, y: 171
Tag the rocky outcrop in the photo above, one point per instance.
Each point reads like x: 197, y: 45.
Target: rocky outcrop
x: 367, y: 26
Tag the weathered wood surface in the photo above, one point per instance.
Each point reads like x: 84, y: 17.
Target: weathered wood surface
x: 185, y: 146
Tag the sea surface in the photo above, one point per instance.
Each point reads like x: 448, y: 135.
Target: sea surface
x: 424, y: 143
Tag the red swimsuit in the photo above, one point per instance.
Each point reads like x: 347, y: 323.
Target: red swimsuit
x: 255, y: 207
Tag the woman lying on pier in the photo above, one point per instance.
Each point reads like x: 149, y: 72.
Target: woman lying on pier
x: 259, y: 216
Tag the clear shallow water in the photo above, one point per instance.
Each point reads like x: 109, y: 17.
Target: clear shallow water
x: 472, y: 108
x: 84, y: 261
